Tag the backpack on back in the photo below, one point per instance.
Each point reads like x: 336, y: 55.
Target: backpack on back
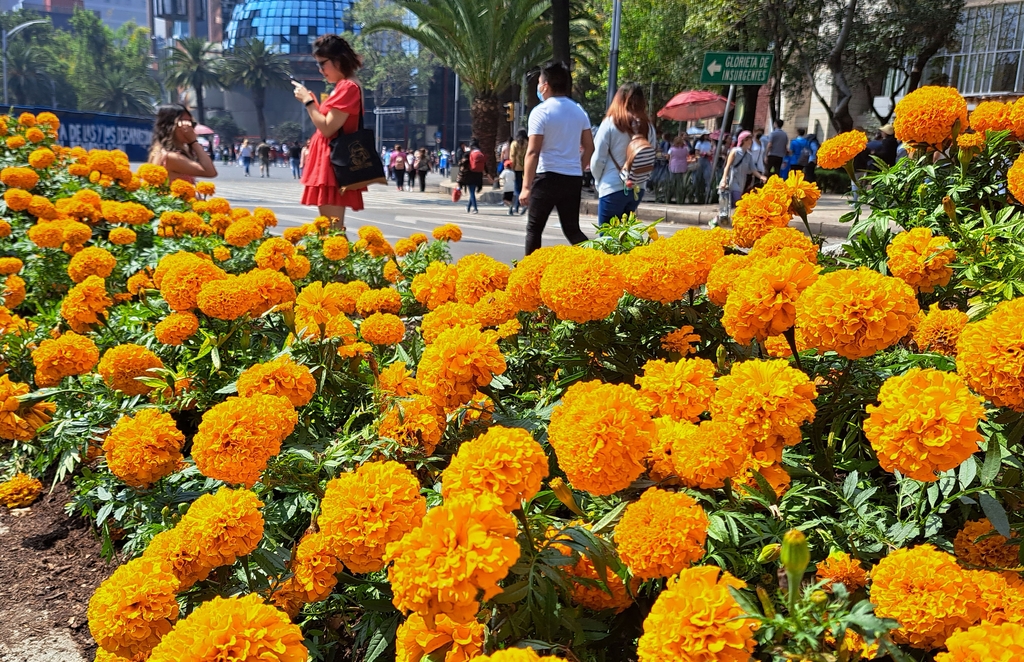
x: 640, y: 158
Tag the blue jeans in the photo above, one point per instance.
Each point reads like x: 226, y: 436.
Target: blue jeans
x: 472, y: 198
x: 617, y: 204
x: 246, y: 162
x: 296, y: 172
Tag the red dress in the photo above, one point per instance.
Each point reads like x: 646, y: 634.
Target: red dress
x: 318, y: 176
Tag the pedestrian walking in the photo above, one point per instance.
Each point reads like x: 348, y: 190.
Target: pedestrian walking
x: 246, y: 155
x: 777, y: 150
x: 517, y: 154
x: 508, y: 185
x: 705, y: 150
x: 678, y: 165
x: 889, y: 145
x: 799, y: 151
x: 757, y: 150
x: 626, y: 118
x: 442, y: 163
x: 811, y: 169
x: 176, y: 148
x: 560, y: 143
x: 295, y: 159
x: 738, y: 167
x: 304, y: 158
x: 473, y: 174
x: 398, y: 165
x: 339, y: 112
x: 422, y: 168
x: 263, y: 153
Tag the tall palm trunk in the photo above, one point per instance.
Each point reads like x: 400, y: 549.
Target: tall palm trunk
x: 485, y: 126
x: 560, y: 32
x: 258, y: 100
x: 200, y: 106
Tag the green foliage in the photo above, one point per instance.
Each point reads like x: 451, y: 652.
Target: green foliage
x: 193, y: 63
x: 288, y: 132
x: 258, y: 69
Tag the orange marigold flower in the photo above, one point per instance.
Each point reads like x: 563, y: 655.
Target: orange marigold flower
x: 273, y: 253
x: 335, y: 248
x: 121, y: 366
x: 928, y: 114
x: 927, y: 593
x: 462, y: 549
x: 226, y: 298
x: 985, y: 642
x: 447, y: 232
x: 404, y: 246
x: 206, y: 188
x: 517, y: 655
x: 990, y: 116
x: 926, y: 422
x: 447, y: 316
x: 414, y: 421
x: 703, y: 456
x: 841, y: 568
x: 696, y: 618
x: 990, y: 355
x: 348, y: 294
x: 761, y: 210
x: 237, y: 437
x: 17, y: 177
x: 16, y: 142
x: 34, y: 135
x: 64, y: 356
x: 661, y: 533
x: 978, y: 545
x: 680, y: 390
x: 144, y: 449
x: 85, y: 303
x: 27, y: 119
x: 524, y: 281
x: 221, y: 253
x: 777, y: 241
x: 18, y: 421
x: 1000, y: 594
x: 494, y: 308
x: 315, y: 568
x: 436, y: 285
x: 414, y: 641
x: 10, y: 265
x: 582, y: 285
x: 5, y: 227
x: 269, y: 289
x: 804, y: 194
x: 762, y: 301
x: 122, y: 236
x: 13, y: 291
x: 17, y: 200
x: 134, y: 608
x: 243, y: 232
x: 182, y: 276
x: 601, y: 434
x: 281, y: 376
x: 970, y: 140
x: 385, y: 300
x: 183, y: 189
x: 855, y: 312
x: 316, y: 304
x: 588, y: 589
x: 139, y: 282
x: 41, y: 158
x: 20, y: 491
x: 456, y: 364
x: 392, y: 273
x: 418, y: 238
x: 939, y: 330
x: 921, y: 260
x: 681, y: 340
x: 176, y: 328
x: 477, y: 275
x: 657, y: 272
x: 292, y: 235
x: 700, y: 249
x: 365, y: 510
x: 91, y: 261
x: 1014, y: 177
x: 396, y: 380
x: 505, y: 462
x: 836, y: 152
x: 382, y: 329
x: 265, y: 216
x: 297, y: 267
x: 245, y: 627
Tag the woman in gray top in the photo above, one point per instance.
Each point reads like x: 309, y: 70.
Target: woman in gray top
x: 738, y: 166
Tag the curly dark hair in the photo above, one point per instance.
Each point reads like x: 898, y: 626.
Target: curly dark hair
x: 334, y: 48
x: 163, y: 129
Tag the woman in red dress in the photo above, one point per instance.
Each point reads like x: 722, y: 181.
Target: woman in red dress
x: 338, y: 63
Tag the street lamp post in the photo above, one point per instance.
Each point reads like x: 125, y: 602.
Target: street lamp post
x: 10, y: 33
x: 613, y: 52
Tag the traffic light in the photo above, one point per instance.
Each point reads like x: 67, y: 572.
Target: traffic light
x: 510, y: 112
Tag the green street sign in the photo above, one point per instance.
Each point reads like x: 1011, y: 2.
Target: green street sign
x: 736, y: 68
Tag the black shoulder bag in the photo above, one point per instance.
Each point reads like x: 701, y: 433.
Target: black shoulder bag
x: 354, y: 157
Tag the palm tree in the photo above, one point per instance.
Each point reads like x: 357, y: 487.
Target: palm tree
x: 29, y: 73
x: 488, y: 43
x: 120, y: 91
x: 193, y: 62
x: 255, y: 67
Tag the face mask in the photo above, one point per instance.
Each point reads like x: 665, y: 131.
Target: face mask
x: 540, y: 96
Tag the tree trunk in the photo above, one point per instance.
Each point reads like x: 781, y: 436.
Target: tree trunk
x: 840, y: 115
x: 258, y: 99
x: 200, y: 107
x: 485, y: 111
x: 750, y: 93
x: 926, y: 54
x: 560, y: 32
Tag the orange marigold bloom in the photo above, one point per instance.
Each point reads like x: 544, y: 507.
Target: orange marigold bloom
x: 17, y: 177
x: 661, y: 533
x: 696, y: 618
x: 19, y: 421
x: 335, y: 248
x: 939, y: 330
x: 348, y: 294
x: 16, y: 142
x: 921, y: 260
x: 704, y: 455
x: 970, y: 140
x: 67, y: 355
x: 680, y: 390
x: 182, y: 276
x: 282, y: 376
x: 436, y: 285
x: 461, y: 549
x: 855, y: 312
x: 588, y: 589
x: 10, y: 265
x: 700, y: 249
x: 273, y: 253
x: 761, y: 210
x: 243, y: 232
x: 144, y: 449
x: 206, y: 188
x: 134, y: 608
x: 447, y: 316
x: 1014, y: 176
x: 20, y: 491
x: 447, y: 232
x: 269, y: 289
x: 183, y: 189
x: 404, y: 246
x: 601, y: 434
x: 507, y: 463
x: 122, y: 236
x: 5, y: 227
x: 927, y: 593
x: 581, y: 285
x: 385, y: 300
x: 477, y: 275
x: 414, y: 421
x: 1000, y: 595
x: 242, y: 628
x: 494, y: 308
x: 841, y: 568
x: 763, y: 298
x: 42, y: 208
x: 778, y: 241
x: 297, y: 267
x: 315, y: 569
x: 524, y: 281
x: 316, y: 304
x: 226, y: 298
x: 990, y: 116
x: 237, y: 437
x: 457, y: 363
x: 17, y: 200
x: 34, y: 135
x: 41, y: 158
x: 85, y: 303
x: 990, y: 355
x: 985, y: 642
x: 27, y: 119
x: 91, y: 261
x: 121, y: 366
x: 657, y: 272
x: 265, y: 216
x: 382, y: 329
x: 176, y: 328
x: 13, y: 291
x: 836, y: 152
x: 222, y: 253
x: 365, y: 510
x: 926, y: 422
x: 803, y: 193
x: 928, y: 114
x: 461, y: 641
x: 396, y: 380
x: 978, y: 545
x: 139, y: 282
x: 681, y: 340
x: 517, y: 655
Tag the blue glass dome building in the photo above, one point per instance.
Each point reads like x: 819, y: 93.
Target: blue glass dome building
x: 288, y: 26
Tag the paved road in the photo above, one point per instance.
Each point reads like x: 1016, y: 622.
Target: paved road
x: 397, y: 214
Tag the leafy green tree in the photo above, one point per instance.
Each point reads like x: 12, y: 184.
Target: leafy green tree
x: 193, y: 62
x: 390, y: 69
x: 489, y: 43
x: 29, y: 74
x: 288, y: 132
x: 256, y: 68
x: 225, y: 126
x: 120, y: 91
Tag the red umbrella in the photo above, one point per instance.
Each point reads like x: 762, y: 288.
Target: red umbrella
x: 693, y: 105
x: 203, y: 130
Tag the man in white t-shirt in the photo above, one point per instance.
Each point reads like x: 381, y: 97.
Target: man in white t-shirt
x: 560, y: 143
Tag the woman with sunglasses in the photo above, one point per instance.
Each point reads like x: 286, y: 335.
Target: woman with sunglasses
x: 176, y: 148
x: 339, y: 112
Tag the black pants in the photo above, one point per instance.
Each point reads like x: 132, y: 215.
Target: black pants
x: 423, y: 180
x: 773, y: 165
x: 554, y: 191
x: 810, y: 172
